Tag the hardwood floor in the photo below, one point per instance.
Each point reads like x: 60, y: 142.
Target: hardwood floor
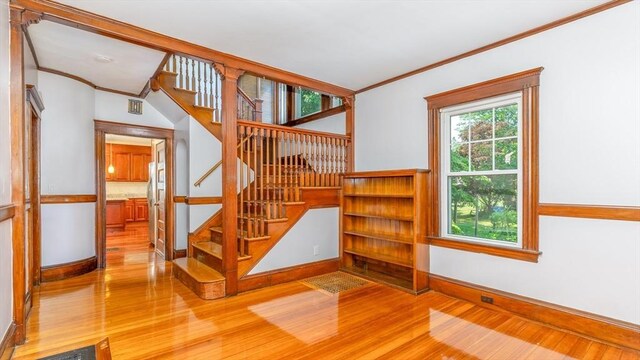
x: 146, y: 313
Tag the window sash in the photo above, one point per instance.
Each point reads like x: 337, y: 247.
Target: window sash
x: 446, y: 174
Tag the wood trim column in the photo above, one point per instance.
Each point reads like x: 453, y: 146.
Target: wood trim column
x: 229, y: 178
x: 17, y: 109
x: 349, y: 103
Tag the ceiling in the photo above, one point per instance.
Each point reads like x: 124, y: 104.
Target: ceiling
x: 351, y: 43
x: 83, y: 54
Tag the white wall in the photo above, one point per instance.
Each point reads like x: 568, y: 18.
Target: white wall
x: 318, y: 227
x: 68, y: 231
x: 6, y: 264
x: 114, y: 107
x: 30, y: 67
x: 332, y: 124
x: 182, y: 140
x: 204, y: 151
x: 589, y: 154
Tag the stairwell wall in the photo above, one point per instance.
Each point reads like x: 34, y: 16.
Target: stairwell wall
x: 589, y: 154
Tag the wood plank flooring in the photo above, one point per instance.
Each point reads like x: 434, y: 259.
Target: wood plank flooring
x: 147, y: 314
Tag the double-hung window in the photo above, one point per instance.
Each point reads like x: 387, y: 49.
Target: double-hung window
x: 481, y: 174
x: 483, y: 155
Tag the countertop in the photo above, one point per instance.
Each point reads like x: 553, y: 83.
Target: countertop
x: 125, y: 197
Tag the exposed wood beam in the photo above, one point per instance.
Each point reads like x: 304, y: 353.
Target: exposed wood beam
x: 98, y: 24
x: 317, y: 116
x: 520, y: 36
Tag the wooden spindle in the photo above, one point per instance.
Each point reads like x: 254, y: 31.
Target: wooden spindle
x: 266, y: 171
x: 241, y: 134
x: 254, y: 150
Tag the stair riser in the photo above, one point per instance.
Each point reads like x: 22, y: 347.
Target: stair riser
x: 207, y: 259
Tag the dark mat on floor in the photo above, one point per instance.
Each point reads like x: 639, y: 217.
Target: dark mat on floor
x: 85, y: 353
x: 334, y: 283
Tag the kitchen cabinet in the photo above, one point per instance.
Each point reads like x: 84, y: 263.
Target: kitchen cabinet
x: 141, y: 209
x: 129, y: 211
x: 115, y: 214
x: 130, y: 162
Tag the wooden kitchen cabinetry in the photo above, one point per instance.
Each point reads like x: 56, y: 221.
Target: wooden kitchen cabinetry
x: 115, y: 214
x: 141, y: 209
x: 130, y: 162
x: 136, y: 209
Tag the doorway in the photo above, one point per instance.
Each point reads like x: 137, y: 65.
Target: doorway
x: 134, y: 182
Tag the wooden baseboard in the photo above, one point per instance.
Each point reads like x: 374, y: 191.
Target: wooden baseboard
x: 587, y: 324
x: 8, y: 343
x: 68, y: 270
x: 179, y: 253
x: 280, y: 276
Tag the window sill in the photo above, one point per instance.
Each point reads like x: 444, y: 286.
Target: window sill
x: 511, y: 253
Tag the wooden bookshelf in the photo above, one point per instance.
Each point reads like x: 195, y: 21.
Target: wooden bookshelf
x: 383, y: 219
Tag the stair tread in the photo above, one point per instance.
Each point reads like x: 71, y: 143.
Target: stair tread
x: 215, y: 249
x: 185, y: 90
x: 210, y: 247
x: 204, y: 107
x: 218, y: 229
x: 199, y: 271
x: 272, y: 220
x: 167, y: 72
x: 272, y: 201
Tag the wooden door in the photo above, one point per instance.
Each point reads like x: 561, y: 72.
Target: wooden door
x: 160, y: 198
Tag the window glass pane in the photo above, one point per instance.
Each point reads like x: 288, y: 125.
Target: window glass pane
x: 310, y: 102
x: 482, y: 156
x: 459, y: 129
x: 507, y: 154
x: 460, y: 157
x: 484, y: 207
x: 507, y: 121
x: 481, y: 123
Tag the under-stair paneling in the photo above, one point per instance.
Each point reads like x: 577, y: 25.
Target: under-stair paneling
x: 318, y: 227
x: 589, y: 155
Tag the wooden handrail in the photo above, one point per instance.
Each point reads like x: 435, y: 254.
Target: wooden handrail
x: 214, y: 167
x: 246, y: 98
x: 291, y: 130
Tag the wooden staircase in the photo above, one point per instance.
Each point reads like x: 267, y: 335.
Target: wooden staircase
x: 284, y: 173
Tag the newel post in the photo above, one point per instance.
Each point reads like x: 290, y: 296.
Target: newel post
x: 229, y: 177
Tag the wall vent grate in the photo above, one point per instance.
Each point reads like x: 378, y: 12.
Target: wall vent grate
x: 135, y: 107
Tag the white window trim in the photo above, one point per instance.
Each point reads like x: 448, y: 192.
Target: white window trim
x: 445, y: 118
